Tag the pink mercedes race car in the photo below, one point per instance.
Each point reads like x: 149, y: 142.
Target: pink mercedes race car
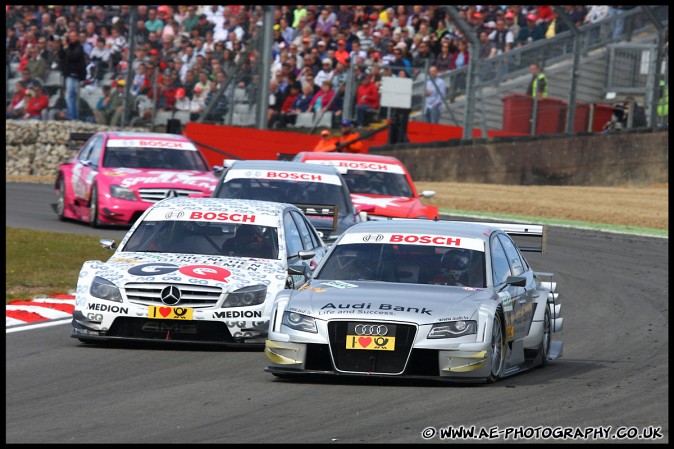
x: 379, y: 181
x: 116, y: 176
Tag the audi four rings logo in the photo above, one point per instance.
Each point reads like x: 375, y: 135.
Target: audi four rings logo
x: 374, y: 237
x: 170, y: 295
x: 371, y: 329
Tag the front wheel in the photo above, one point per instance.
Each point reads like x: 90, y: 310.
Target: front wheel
x: 93, y: 208
x: 61, y: 199
x: 498, y: 346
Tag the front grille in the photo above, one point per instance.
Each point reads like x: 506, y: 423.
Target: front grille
x: 190, y: 294
x: 364, y: 361
x: 173, y: 330
x: 154, y: 195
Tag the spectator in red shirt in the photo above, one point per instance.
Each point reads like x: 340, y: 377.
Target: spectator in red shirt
x: 17, y: 107
x: 341, y: 55
x: 37, y: 101
x: 367, y: 99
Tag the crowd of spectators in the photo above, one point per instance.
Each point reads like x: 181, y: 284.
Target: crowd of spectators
x: 185, y: 54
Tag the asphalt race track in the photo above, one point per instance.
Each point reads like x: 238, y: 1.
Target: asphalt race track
x: 613, y: 378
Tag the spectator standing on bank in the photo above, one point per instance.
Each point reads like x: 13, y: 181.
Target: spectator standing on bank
x: 435, y: 92
x: 74, y: 71
x: 538, y: 86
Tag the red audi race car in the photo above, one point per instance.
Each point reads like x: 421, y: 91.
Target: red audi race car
x: 379, y: 181
x: 116, y: 176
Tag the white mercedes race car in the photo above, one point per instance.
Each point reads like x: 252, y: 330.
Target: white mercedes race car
x: 418, y: 298
x: 196, y: 270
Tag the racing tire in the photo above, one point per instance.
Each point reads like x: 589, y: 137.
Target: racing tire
x: 544, y: 348
x: 93, y: 208
x: 498, y: 347
x: 61, y: 200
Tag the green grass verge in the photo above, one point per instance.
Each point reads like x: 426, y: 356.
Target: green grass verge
x: 41, y: 263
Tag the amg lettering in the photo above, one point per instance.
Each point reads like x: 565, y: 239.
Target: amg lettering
x: 238, y: 314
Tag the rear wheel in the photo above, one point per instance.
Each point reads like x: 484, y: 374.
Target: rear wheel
x: 93, y: 208
x: 61, y: 199
x: 544, y: 348
x: 498, y: 346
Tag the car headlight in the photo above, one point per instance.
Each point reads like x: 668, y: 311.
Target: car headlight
x: 246, y: 296
x: 453, y: 329
x: 299, y: 322
x: 122, y: 193
x: 104, y: 289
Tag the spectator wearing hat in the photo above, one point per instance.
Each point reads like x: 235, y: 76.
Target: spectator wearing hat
x: 36, y: 102
x: 367, y: 99
x: 325, y: 73
x: 182, y: 100
x: 346, y: 143
x: 400, y: 61
x: 117, y: 101
x: 342, y: 54
x: 531, y: 32
x: 511, y: 23
x: 327, y: 143
x: 197, y: 104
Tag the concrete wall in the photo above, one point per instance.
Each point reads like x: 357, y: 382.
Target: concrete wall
x: 627, y: 157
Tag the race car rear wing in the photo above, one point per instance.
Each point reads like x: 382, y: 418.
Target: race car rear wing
x: 527, y: 237
x: 320, y: 210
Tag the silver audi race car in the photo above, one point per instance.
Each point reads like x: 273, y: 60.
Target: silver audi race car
x: 445, y: 300
x: 197, y: 270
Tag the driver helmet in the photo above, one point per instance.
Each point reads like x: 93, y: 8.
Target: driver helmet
x: 455, y: 263
x: 249, y: 236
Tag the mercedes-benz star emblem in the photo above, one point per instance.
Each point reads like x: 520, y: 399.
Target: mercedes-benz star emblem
x: 171, y: 194
x: 170, y: 295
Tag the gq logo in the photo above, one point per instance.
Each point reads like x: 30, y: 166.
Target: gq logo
x: 153, y: 269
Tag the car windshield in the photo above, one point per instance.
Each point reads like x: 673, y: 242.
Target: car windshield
x: 286, y: 191
x: 414, y: 264
x: 211, y: 239
x: 157, y: 158
x: 378, y: 183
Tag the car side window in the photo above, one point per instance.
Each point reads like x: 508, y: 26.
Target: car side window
x: 293, y: 238
x: 499, y: 262
x: 86, y: 151
x: 513, y: 255
x: 95, y: 153
x: 309, y: 240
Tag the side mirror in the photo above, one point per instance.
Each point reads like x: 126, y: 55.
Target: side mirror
x: 517, y: 281
x: 305, y: 255
x: 363, y: 210
x: 302, y: 271
x: 108, y: 243
x: 428, y: 194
